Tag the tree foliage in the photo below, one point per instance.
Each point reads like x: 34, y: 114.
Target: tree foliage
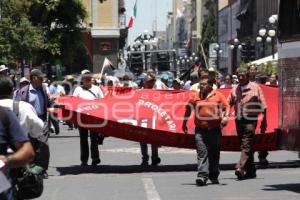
x: 209, y: 31
x: 41, y: 30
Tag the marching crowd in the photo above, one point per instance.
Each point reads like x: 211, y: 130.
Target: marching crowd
x: 25, y: 123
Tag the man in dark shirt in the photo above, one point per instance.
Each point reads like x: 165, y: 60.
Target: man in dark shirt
x: 17, y: 139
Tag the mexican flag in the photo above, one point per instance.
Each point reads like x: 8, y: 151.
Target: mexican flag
x: 133, y: 16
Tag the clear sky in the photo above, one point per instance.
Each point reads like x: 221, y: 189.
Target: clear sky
x: 146, y: 12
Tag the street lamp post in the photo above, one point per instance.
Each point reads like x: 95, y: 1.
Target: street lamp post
x: 217, y: 49
x: 236, y: 44
x: 267, y: 34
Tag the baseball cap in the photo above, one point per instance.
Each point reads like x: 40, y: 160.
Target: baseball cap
x: 38, y: 73
x: 3, y: 67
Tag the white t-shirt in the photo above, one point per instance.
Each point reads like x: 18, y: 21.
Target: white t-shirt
x: 28, y: 118
x: 89, y: 94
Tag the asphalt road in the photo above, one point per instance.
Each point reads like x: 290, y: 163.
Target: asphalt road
x: 119, y: 176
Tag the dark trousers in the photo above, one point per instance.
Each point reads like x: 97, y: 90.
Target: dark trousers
x: 144, y: 151
x: 208, y: 143
x: 53, y: 119
x: 246, y: 131
x: 84, y: 145
x: 42, y: 152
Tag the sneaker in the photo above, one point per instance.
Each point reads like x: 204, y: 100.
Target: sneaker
x: 96, y: 162
x: 155, y: 161
x: 200, y: 181
x: 214, y: 181
x: 240, y: 174
x: 144, y: 163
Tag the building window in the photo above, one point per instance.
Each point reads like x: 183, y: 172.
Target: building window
x: 289, y: 20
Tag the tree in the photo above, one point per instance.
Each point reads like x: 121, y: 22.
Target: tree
x: 19, y: 38
x: 41, y: 31
x: 62, y: 20
x: 209, y: 31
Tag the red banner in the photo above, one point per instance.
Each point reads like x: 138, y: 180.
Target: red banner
x: 155, y: 116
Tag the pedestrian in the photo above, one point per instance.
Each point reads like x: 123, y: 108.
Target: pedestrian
x: 12, y: 135
x: 90, y: 92
x: 227, y: 82
x: 55, y: 91
x: 23, y: 82
x: 150, y: 82
x: 36, y: 94
x: 30, y: 122
x: 252, y: 70
x: 211, y: 114
x: 248, y: 101
x: 3, y: 70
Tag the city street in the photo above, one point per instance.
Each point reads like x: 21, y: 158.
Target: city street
x: 119, y: 175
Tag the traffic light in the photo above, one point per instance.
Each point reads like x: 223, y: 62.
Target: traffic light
x: 136, y: 63
x: 251, y: 52
x: 248, y: 52
x: 244, y: 53
x: 163, y: 61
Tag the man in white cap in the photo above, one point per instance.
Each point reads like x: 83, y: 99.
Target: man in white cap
x: 88, y: 91
x: 3, y: 70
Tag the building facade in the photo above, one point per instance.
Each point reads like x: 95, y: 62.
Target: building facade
x: 105, y: 30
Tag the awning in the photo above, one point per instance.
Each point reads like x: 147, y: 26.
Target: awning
x: 266, y: 59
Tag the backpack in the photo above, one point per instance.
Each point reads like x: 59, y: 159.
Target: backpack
x: 28, y: 181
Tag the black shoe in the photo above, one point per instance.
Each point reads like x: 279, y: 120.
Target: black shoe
x: 45, y: 175
x: 239, y: 174
x: 250, y: 176
x: 83, y: 164
x: 144, y: 163
x: 96, y: 162
x: 155, y: 161
x: 56, y: 132
x: 214, y: 181
x: 263, y: 161
x: 200, y: 181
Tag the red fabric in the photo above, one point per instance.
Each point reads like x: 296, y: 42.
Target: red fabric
x: 155, y: 116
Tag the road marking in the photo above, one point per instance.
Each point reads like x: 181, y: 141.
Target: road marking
x: 150, y: 189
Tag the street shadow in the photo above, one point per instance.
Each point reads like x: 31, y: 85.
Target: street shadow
x: 118, y: 169
x: 63, y: 136
x: 128, y: 169
x: 293, y: 187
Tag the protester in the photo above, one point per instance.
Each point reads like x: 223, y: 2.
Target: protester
x: 252, y: 70
x: 3, y: 70
x: 90, y: 92
x: 11, y: 133
x: 150, y: 82
x: 36, y: 94
x: 247, y: 99
x: 23, y: 82
x: 55, y: 91
x: 30, y: 122
x: 211, y: 114
x: 194, y: 79
x: 203, y: 73
x: 273, y: 80
x: 227, y: 82
x: 177, y: 84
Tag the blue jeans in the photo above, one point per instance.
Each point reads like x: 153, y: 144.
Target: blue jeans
x: 208, y: 143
